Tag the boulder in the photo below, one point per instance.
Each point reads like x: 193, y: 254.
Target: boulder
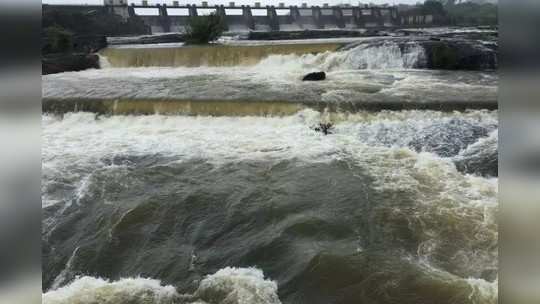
x: 317, y: 76
x: 58, y: 63
x: 147, y: 39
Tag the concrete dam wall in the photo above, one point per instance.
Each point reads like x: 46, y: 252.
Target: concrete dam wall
x: 164, y: 19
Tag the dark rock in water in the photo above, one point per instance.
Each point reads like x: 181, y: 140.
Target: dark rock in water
x: 459, y: 54
x: 480, y: 158
x: 317, y: 76
x: 443, y: 53
x: 59, y: 63
x: 307, y: 34
x: 147, y: 39
x: 447, y: 139
x: 484, y: 165
x: 325, y: 128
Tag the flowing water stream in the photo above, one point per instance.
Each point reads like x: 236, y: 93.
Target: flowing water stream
x: 365, y: 75
x: 242, y: 208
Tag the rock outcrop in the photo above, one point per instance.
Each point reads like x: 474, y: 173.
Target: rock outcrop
x: 58, y: 63
x: 459, y: 54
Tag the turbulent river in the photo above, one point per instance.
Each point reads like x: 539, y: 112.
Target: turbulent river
x: 393, y: 206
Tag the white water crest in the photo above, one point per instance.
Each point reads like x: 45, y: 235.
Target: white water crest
x: 237, y: 286
x: 229, y: 285
x: 378, y: 144
x: 104, y: 62
x: 483, y: 291
x: 83, y: 138
x: 90, y: 290
x: 387, y: 55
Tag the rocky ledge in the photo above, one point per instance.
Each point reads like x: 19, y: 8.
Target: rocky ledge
x: 58, y: 63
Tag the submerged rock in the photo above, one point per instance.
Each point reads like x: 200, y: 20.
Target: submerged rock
x: 447, y: 139
x: 317, y: 76
x: 481, y: 158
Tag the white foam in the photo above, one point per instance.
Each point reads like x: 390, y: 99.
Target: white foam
x: 228, y: 285
x: 483, y: 291
x: 77, y: 144
x: 238, y: 286
x: 384, y: 56
x: 104, y: 62
x: 89, y: 290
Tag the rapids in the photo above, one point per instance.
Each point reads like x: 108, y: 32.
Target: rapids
x: 330, y: 218
x: 237, y: 199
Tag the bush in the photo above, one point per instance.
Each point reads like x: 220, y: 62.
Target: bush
x: 474, y: 14
x: 204, y: 29
x: 59, y: 40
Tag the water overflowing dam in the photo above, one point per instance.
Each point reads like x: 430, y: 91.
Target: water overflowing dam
x: 226, y: 192
x: 196, y: 56
x: 177, y: 79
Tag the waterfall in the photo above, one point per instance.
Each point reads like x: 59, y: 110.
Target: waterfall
x: 323, y: 56
x: 389, y: 55
x: 209, y: 55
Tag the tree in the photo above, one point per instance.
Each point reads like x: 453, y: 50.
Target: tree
x: 204, y: 29
x: 433, y: 7
x: 59, y: 40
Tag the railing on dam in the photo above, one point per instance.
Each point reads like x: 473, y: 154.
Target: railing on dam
x: 163, y: 18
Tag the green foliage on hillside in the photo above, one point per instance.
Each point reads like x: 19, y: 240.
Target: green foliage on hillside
x: 461, y: 14
x: 433, y: 7
x: 204, y: 29
x: 473, y: 14
x: 59, y: 40
x: 92, y: 22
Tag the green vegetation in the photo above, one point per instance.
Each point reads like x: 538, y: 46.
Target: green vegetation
x: 433, y: 7
x: 473, y: 14
x: 92, y: 22
x: 83, y: 31
x: 461, y: 14
x: 204, y: 29
x: 59, y: 40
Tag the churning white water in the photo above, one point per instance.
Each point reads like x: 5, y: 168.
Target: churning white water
x: 368, y: 72
x: 228, y: 285
x: 402, y: 152
x: 387, y: 55
x: 405, y: 161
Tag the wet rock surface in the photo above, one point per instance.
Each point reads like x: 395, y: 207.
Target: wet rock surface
x: 147, y: 39
x: 459, y: 54
x: 59, y: 63
x: 316, y: 76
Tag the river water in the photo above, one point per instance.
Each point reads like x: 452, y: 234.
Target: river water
x: 391, y: 207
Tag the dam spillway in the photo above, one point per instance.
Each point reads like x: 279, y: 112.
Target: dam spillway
x: 209, y: 55
x: 266, y: 79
